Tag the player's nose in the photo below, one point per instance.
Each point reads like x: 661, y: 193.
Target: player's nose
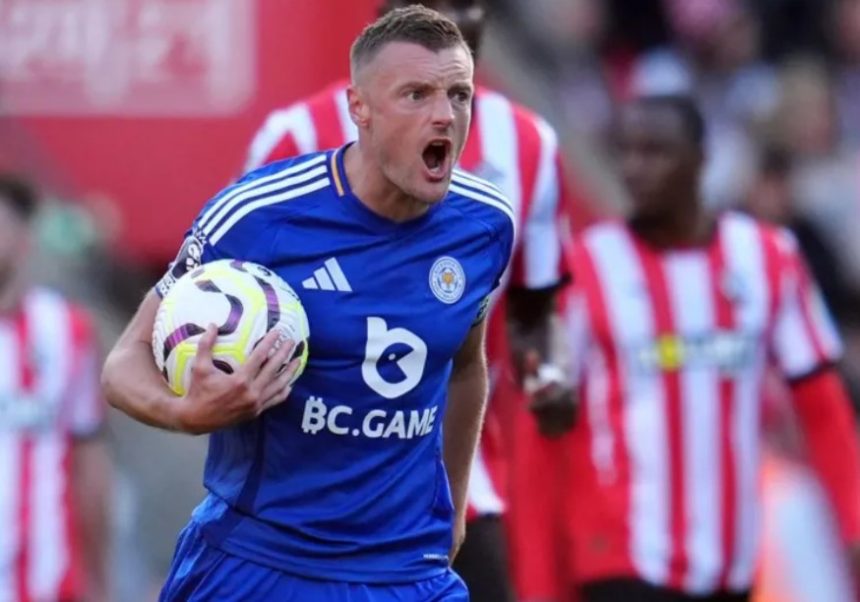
x: 443, y: 112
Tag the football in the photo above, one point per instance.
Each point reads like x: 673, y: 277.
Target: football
x: 243, y: 299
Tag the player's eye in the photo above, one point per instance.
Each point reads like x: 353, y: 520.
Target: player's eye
x: 462, y: 96
x: 416, y: 94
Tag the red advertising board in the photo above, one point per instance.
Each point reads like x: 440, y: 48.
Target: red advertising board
x: 152, y: 103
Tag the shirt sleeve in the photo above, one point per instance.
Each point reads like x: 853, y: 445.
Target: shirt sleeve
x: 270, y: 145
x: 84, y: 403
x: 538, y: 262
x: 804, y: 338
x: 286, y: 133
x: 824, y: 411
x: 505, y: 239
x: 577, y: 331
x: 224, y: 229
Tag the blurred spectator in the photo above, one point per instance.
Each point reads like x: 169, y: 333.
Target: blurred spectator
x: 643, y: 462
x: 792, y: 27
x: 575, y: 29
x: 771, y: 198
x: 53, y: 464
x: 845, y: 23
x: 606, y: 53
x: 825, y: 182
x: 735, y: 88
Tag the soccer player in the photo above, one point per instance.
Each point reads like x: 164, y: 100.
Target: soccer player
x: 517, y: 151
x: 341, y: 492
x: 678, y: 315
x: 54, y: 467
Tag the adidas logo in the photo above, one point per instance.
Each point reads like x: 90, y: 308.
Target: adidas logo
x: 328, y: 278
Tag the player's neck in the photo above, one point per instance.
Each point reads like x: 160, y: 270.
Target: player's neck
x: 689, y: 227
x: 376, y: 192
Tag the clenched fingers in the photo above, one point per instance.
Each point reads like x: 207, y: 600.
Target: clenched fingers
x: 278, y: 390
x: 274, y: 364
x: 261, y: 352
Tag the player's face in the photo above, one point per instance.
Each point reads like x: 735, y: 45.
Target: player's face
x: 418, y: 107
x: 14, y: 242
x: 469, y: 15
x: 659, y: 163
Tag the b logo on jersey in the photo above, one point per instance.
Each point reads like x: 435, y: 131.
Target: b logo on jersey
x: 447, y: 280
x: 394, y: 359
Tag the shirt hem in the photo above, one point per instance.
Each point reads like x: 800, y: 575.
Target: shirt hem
x: 308, y: 571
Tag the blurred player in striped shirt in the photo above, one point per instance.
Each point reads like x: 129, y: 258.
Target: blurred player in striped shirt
x: 53, y: 465
x: 676, y: 318
x: 518, y: 152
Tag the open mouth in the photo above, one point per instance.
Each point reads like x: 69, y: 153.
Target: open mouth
x: 436, y: 156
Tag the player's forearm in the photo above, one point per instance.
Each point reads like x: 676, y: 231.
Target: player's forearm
x: 533, y: 335
x: 531, y: 316
x: 130, y: 380
x: 467, y: 393
x: 91, y: 486
x: 132, y: 384
x: 537, y: 339
x: 823, y: 409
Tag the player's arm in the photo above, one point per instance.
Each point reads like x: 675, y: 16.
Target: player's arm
x: 530, y: 312
x: 533, y: 319
x: 91, y: 469
x: 806, y: 347
x: 467, y: 395
x: 538, y: 268
x: 130, y: 379
x: 538, y: 272
x: 214, y: 399
x: 824, y: 412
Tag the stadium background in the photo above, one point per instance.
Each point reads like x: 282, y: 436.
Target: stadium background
x: 130, y: 113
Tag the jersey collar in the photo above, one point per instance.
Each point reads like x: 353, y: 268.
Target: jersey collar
x: 359, y: 210
x: 338, y: 171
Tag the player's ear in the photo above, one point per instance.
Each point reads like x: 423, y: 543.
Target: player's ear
x: 359, y: 112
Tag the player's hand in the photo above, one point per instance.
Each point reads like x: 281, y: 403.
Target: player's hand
x: 216, y: 399
x: 553, y: 402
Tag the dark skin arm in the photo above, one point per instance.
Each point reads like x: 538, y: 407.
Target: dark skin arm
x: 530, y: 314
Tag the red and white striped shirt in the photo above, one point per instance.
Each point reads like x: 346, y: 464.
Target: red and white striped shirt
x: 49, y: 395
x: 508, y: 145
x: 670, y: 350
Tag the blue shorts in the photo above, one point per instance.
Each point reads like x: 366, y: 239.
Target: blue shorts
x: 201, y: 572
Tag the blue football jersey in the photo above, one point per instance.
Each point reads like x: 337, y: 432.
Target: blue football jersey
x: 345, y: 480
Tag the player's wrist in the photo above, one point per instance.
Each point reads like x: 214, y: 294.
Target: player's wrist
x: 547, y: 374
x: 173, y: 414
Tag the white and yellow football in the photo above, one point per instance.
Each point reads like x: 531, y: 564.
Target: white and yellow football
x: 243, y: 299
